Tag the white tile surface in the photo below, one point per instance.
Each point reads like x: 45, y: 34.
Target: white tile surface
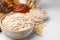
x: 52, y: 30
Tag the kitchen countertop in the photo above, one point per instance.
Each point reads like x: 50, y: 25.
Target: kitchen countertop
x: 52, y: 28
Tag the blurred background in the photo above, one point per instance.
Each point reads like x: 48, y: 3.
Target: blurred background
x: 49, y: 3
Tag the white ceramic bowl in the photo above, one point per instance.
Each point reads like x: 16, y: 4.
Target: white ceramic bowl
x: 16, y: 35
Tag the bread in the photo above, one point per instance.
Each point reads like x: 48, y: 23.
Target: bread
x: 15, y: 1
x: 9, y: 2
x: 38, y: 29
x: 31, y: 3
x: 2, y: 15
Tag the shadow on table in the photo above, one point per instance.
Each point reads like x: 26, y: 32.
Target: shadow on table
x: 28, y: 37
x: 46, y: 19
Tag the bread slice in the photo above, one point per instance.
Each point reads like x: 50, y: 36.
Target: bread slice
x: 2, y: 15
